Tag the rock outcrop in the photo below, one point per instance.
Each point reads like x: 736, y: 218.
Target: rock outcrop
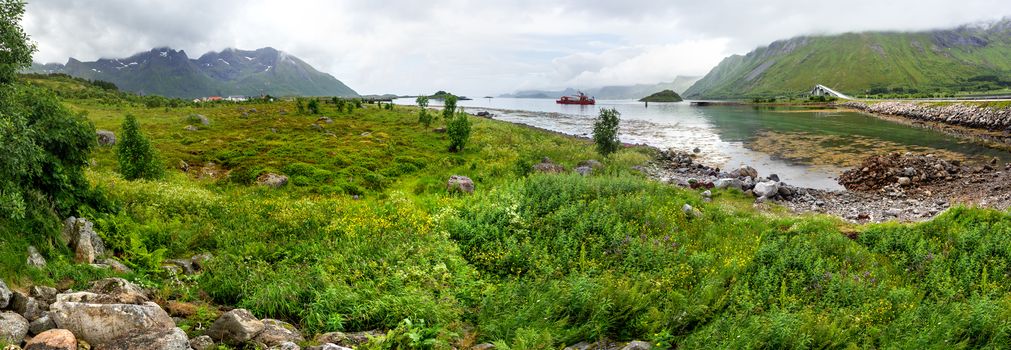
x: 79, y: 234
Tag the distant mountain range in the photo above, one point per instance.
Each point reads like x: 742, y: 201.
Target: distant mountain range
x: 619, y: 92
x: 168, y: 72
x: 971, y: 57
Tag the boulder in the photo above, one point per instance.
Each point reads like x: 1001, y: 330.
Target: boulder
x: 691, y: 212
x: 548, y: 167
x: 106, y: 137
x: 13, y: 327
x: 41, y: 324
x: 116, y: 266
x: 27, y: 306
x: 745, y: 171
x: 100, y: 324
x: 163, y: 339
x: 287, y: 345
x: 200, y: 260
x: 637, y: 345
x: 34, y: 258
x: 122, y: 290
x: 55, y: 339
x: 272, y: 180
x: 235, y: 327
x: 86, y: 297
x: 43, y: 293
x: 584, y: 170
x: 729, y: 183
x: 461, y: 184
x: 276, y: 332
x: 5, y: 295
x: 79, y: 234
x: 185, y: 264
x: 766, y: 189
x: 199, y: 118
x: 203, y: 342
x: 347, y: 339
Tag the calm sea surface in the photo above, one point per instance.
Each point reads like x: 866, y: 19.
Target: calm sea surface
x: 805, y: 147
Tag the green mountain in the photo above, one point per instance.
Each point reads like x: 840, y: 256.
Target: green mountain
x: 167, y: 72
x: 967, y: 58
x: 662, y: 96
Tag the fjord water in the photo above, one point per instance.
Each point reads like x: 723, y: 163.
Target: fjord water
x: 804, y: 146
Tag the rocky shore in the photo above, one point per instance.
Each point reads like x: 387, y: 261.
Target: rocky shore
x: 904, y: 187
x: 989, y: 124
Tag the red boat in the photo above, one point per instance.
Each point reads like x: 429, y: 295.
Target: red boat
x: 580, y: 99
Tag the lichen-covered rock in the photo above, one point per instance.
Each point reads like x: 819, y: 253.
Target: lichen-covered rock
x: 200, y: 260
x: 34, y: 258
x: 5, y: 295
x: 276, y: 332
x: 79, y: 234
x: 202, y: 342
x: 44, y: 294
x: 13, y: 327
x: 41, y: 324
x: 27, y: 306
x: 100, y: 324
x: 347, y: 339
x: 106, y: 137
x: 235, y: 327
x: 55, y: 339
x: 637, y: 345
x: 548, y: 167
x: 164, y: 339
x: 120, y: 289
x: 116, y: 266
x: 272, y: 180
x: 287, y: 345
x: 460, y: 184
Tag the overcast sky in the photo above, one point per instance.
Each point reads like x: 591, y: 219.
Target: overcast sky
x: 476, y: 47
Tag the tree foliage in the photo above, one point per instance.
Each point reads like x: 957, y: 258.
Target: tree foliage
x: 15, y: 47
x: 313, y: 106
x: 449, y: 107
x: 423, y: 117
x: 605, y: 131
x: 458, y: 129
x: 137, y: 159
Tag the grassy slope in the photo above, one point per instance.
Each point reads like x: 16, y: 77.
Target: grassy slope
x: 532, y: 261
x: 851, y: 63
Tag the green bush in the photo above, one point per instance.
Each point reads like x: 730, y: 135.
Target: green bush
x: 313, y: 106
x: 449, y: 107
x: 605, y: 131
x: 458, y: 130
x: 137, y: 158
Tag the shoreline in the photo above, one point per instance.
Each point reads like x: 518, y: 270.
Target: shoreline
x: 957, y: 120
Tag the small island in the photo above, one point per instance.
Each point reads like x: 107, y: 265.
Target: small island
x: 663, y: 96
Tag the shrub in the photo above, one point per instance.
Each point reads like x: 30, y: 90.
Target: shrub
x: 449, y: 107
x: 137, y: 159
x: 458, y: 130
x: 605, y: 131
x: 313, y: 106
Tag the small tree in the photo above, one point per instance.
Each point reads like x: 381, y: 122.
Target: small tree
x: 313, y: 106
x: 605, y: 131
x: 299, y: 106
x: 458, y: 129
x: 449, y: 107
x: 137, y: 159
x: 423, y: 117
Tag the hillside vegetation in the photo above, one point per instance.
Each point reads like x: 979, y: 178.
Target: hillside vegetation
x: 365, y: 236
x: 965, y: 59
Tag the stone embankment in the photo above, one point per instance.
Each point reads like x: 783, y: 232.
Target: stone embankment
x: 958, y: 114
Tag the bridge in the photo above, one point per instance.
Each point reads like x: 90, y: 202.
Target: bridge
x: 822, y: 90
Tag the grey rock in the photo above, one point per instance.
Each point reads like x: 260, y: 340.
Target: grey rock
x: 203, y: 342
x: 745, y: 171
x: 185, y: 264
x: 483, y: 346
x: 26, y: 306
x: 287, y: 345
x: 904, y: 181
x: 691, y: 212
x: 707, y: 194
x: 272, y: 180
x: 43, y: 293
x: 122, y: 290
x: 199, y: 118
x: 79, y: 234
x: 162, y: 339
x: 729, y: 183
x: 584, y: 170
x: 895, y: 212
x: 41, y: 324
x: 460, y: 184
x: 13, y: 327
x: 329, y: 346
x: 774, y: 177
x: 766, y: 189
x: 5, y: 295
x: 100, y: 324
x: 637, y: 345
x: 106, y: 137
x: 190, y: 128
x: 200, y: 260
x: 592, y: 163
x: 235, y: 327
x: 276, y: 332
x: 34, y: 258
x: 116, y: 266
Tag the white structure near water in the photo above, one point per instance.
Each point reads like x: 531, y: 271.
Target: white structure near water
x: 822, y: 90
